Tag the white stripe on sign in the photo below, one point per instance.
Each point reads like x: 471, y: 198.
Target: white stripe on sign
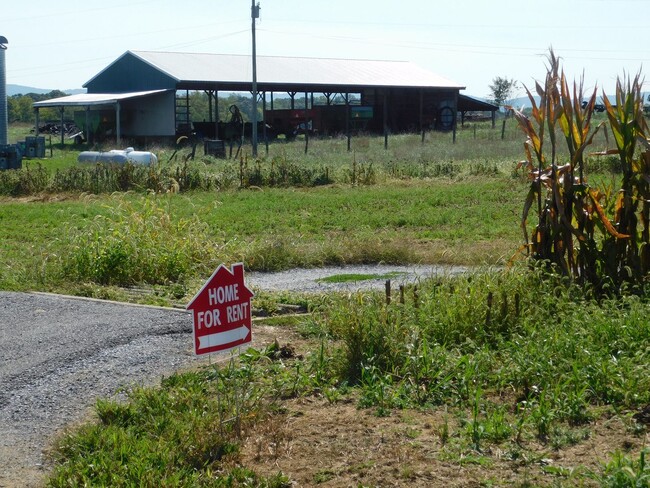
x: 222, y: 338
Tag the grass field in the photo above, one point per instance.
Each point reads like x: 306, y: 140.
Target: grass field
x: 496, y: 378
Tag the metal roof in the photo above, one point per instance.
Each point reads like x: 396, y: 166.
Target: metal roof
x: 467, y: 103
x: 90, y: 99
x: 235, y: 71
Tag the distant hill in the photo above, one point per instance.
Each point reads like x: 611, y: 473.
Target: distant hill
x: 23, y: 90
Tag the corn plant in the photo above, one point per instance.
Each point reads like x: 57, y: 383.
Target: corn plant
x: 632, y: 208
x: 574, y: 233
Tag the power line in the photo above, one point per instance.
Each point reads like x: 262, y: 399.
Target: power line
x: 76, y: 12
x: 496, y: 50
x: 130, y: 35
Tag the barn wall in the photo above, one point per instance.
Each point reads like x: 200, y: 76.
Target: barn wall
x: 149, y: 116
x: 129, y: 74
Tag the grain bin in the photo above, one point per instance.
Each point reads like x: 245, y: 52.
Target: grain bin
x: 3, y: 93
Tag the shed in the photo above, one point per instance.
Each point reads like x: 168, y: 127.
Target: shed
x: 472, y: 108
x: 390, y: 96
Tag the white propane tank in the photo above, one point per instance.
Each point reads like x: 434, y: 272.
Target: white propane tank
x: 118, y: 156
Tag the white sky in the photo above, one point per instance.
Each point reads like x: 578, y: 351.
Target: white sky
x: 61, y: 45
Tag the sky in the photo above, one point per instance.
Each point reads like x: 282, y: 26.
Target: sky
x: 62, y: 45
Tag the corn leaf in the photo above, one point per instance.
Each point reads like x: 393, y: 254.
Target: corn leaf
x: 603, y: 218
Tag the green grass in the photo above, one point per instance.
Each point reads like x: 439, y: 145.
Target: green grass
x: 538, y: 371
x: 352, y: 277
x: 175, y: 436
x: 515, y: 359
x: 273, y: 229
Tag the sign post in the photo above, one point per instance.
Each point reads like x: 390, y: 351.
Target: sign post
x: 221, y: 311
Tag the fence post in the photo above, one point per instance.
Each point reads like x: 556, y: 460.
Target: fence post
x: 488, y: 317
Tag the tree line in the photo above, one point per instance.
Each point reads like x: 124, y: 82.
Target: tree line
x: 20, y: 109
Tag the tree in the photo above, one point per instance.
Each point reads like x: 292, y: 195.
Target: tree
x: 502, y: 90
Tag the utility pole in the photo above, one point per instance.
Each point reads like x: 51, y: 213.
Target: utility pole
x: 255, y: 14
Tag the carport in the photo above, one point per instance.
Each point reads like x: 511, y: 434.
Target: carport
x: 96, y: 101
x: 470, y: 104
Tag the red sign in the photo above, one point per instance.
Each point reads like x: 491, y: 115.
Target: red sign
x: 221, y: 311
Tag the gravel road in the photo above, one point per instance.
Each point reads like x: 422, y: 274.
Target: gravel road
x: 311, y: 280
x: 59, y: 354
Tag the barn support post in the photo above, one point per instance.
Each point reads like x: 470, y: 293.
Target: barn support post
x: 37, y: 121
x: 62, y: 131
x: 271, y: 101
x: 118, y: 124
x: 87, y: 123
x: 494, y: 119
x: 454, y: 124
x: 385, y: 118
x: 422, y: 114
x: 216, y: 114
x: 306, y: 124
x: 347, y: 119
x: 292, y: 95
x: 209, y: 94
x: 265, y: 135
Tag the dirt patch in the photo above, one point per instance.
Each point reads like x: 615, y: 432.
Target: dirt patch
x: 318, y: 443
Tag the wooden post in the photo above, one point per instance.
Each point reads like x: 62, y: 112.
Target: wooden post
x: 209, y: 94
x: 503, y: 129
x: 488, y: 318
x: 401, y: 294
x: 37, y: 122
x: 347, y: 118
x: 87, y: 124
x: 265, y: 135
x: 385, y: 118
x: 216, y: 114
x: 63, y: 131
x: 387, y: 292
x: 422, y: 113
x: 306, y: 125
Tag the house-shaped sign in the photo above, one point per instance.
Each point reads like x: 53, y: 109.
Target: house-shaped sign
x: 221, y: 311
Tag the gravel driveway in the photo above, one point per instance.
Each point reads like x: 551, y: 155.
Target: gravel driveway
x: 311, y: 280
x: 58, y: 354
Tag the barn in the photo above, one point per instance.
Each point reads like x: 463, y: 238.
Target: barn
x: 143, y: 95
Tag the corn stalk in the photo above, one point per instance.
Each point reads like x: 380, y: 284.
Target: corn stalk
x: 630, y: 129
x: 569, y: 210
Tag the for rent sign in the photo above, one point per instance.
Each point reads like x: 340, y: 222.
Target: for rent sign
x: 221, y: 311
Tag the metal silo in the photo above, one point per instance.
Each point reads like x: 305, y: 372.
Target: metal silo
x: 3, y: 92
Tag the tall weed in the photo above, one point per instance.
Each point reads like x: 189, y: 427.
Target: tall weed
x: 138, y: 242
